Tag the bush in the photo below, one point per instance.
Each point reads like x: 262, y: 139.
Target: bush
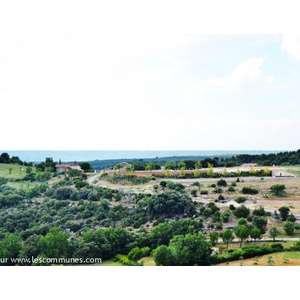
x: 242, y: 212
x: 194, y: 192
x: 288, y: 227
x: 231, y: 207
x: 276, y: 247
x: 196, y: 184
x: 242, y: 221
x: 231, y: 189
x: 249, y: 190
x: 240, y: 199
x: 222, y: 182
x: 204, y: 192
x: 233, y: 183
x: 213, y: 185
x: 221, y: 197
x: 277, y: 189
x: 218, y: 190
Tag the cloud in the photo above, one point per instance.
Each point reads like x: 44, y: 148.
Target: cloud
x: 248, y: 72
x: 291, y: 44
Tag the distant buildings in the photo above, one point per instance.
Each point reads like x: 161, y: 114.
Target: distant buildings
x: 66, y: 168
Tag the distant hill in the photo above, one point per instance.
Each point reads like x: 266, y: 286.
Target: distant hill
x: 91, y: 155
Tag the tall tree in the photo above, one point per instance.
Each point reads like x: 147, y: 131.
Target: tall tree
x: 255, y: 234
x: 242, y: 233
x: 227, y: 236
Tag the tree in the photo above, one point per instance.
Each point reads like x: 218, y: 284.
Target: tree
x: 284, y: 212
x: 242, y: 233
x: 86, y: 167
x: 167, y: 166
x: 227, y: 236
x: 224, y: 173
x: 242, y: 221
x: 260, y: 222
x: 182, y: 171
x: 10, y: 169
x: 191, y: 249
x: 55, y: 244
x: 255, y: 234
x: 252, y: 171
x: 118, y: 167
x: 10, y: 247
x: 182, y: 165
x: 273, y: 233
x: 129, y: 169
x: 198, y: 165
x: 241, y: 212
x: 28, y: 170
x: 277, y: 189
x: 163, y: 256
x: 214, y: 238
x: 238, y: 172
x: 210, y: 172
x: 288, y: 227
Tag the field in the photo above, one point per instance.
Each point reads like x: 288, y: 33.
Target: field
x: 16, y: 172
x: 279, y: 259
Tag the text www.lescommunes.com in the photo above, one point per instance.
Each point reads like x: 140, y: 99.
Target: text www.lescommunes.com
x: 47, y: 260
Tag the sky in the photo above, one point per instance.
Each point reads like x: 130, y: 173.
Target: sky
x: 150, y: 92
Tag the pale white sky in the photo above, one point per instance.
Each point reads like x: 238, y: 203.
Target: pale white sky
x: 81, y: 88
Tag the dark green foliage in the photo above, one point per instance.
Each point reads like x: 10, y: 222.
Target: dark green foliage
x: 231, y: 207
x: 194, y: 192
x: 213, y: 238
x: 242, y: 232
x: 81, y: 184
x: 63, y: 193
x: 284, y: 212
x: 277, y: 247
x: 242, y: 221
x: 175, y: 186
x: 249, y: 190
x: 260, y: 222
x: 86, y: 167
x: 241, y: 212
x: 277, y: 189
x: 231, y: 189
x: 222, y: 182
x: 225, y: 216
x: 169, y: 203
x: 163, y: 183
x: 291, y: 219
x: 204, y: 192
x: 259, y: 211
x: 240, y: 199
x: 186, y: 250
x: 288, y: 227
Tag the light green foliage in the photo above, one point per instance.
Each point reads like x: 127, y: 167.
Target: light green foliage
x: 288, y: 227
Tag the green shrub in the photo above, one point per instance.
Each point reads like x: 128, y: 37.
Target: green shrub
x: 231, y: 207
x: 204, y: 192
x: 249, y: 190
x: 240, y: 199
x: 222, y: 182
x: 233, y: 183
x: 231, y: 189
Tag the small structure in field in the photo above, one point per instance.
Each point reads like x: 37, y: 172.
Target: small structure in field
x: 280, y: 173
